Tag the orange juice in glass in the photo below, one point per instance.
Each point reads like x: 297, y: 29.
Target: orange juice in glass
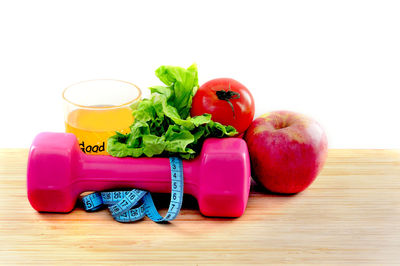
x: 94, y: 110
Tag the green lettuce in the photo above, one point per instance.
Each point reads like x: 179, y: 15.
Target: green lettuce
x: 163, y: 125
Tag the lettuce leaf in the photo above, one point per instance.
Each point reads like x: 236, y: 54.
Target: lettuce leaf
x: 163, y: 125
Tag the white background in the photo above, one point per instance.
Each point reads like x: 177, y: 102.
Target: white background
x: 337, y: 61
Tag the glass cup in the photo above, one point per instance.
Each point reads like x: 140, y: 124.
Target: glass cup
x: 94, y: 110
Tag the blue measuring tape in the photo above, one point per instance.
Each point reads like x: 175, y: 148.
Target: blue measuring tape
x: 130, y: 206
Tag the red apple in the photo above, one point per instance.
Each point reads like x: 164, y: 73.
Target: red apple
x: 287, y: 151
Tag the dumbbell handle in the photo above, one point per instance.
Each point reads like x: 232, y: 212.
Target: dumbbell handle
x: 102, y: 172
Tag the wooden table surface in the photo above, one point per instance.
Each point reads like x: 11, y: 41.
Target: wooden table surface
x: 350, y: 214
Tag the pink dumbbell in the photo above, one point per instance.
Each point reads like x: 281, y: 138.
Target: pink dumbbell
x: 58, y: 172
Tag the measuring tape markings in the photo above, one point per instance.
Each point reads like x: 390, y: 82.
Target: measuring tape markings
x: 92, y: 202
x: 131, y: 215
x: 128, y: 201
x: 113, y: 197
x: 129, y: 206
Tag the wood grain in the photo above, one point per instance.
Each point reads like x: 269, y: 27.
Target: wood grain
x: 350, y: 214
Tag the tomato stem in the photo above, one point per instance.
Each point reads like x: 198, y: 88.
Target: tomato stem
x: 227, y: 95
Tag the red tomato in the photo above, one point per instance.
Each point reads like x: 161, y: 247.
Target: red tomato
x: 228, y: 102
